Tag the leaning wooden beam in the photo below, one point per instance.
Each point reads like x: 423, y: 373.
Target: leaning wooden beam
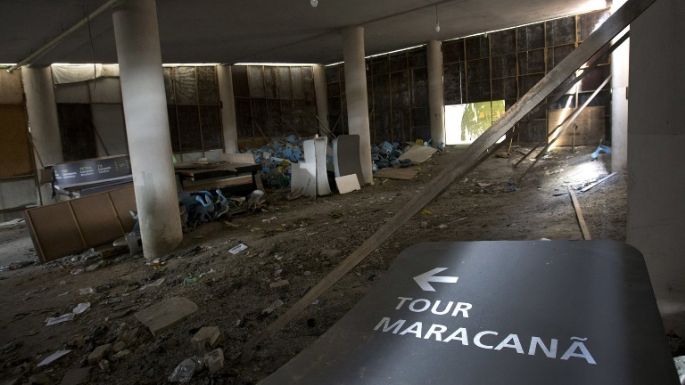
x: 585, y: 231
x: 476, y: 152
x: 558, y: 130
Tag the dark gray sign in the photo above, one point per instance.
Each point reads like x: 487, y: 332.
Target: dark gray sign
x: 90, y: 171
x: 505, y: 312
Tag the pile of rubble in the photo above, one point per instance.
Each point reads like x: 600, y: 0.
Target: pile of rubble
x: 276, y: 157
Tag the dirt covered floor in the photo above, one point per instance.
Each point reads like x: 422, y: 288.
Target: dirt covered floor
x: 299, y: 241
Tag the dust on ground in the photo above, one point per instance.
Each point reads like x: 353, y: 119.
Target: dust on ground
x: 299, y: 241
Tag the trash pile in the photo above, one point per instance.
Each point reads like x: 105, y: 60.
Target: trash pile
x: 387, y: 154
x: 276, y: 157
x: 204, y: 206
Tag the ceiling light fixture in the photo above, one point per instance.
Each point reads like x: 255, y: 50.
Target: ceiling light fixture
x: 437, y: 20
x: 314, y: 3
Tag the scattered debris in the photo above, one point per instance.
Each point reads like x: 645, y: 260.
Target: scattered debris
x: 279, y: 284
x: 76, y: 376
x: 238, y: 249
x: 53, y: 357
x: 214, y: 360
x: 271, y: 308
x: 184, y: 372
x: 269, y: 220
x: 99, y: 353
x: 330, y: 253
x: 12, y: 223
x: 388, y: 154
x: 16, y: 265
x: 165, y: 314
x: 155, y: 283
x: 39, y: 379
x: 207, y: 336
x: 86, y: 291
x: 81, y: 308
x: 58, y: 320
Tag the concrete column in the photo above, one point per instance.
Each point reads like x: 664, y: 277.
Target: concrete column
x: 42, y: 112
x: 357, y: 97
x: 147, y: 125
x: 656, y: 138
x: 436, y: 93
x: 619, y: 102
x: 321, y: 90
x: 41, y: 109
x: 228, y: 119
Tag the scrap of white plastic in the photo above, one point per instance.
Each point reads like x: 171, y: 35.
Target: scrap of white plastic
x: 53, y: 357
x: 238, y: 249
x: 58, y: 320
x: 81, y: 308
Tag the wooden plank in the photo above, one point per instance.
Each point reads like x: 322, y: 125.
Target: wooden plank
x: 585, y: 231
x: 407, y: 173
x: 587, y: 188
x: 469, y: 160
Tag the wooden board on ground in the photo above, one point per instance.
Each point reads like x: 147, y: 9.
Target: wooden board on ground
x: 477, y: 152
x: 418, y: 154
x: 406, y: 173
x: 585, y: 231
x: 590, y: 126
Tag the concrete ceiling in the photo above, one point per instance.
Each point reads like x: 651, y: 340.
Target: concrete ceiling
x: 265, y: 30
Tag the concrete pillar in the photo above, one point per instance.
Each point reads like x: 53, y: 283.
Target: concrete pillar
x: 42, y: 112
x: 656, y: 139
x: 147, y: 125
x: 357, y: 97
x: 436, y: 93
x: 41, y: 109
x: 619, y: 102
x: 321, y: 91
x: 228, y: 119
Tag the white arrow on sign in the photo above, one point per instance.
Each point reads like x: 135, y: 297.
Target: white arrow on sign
x: 423, y: 279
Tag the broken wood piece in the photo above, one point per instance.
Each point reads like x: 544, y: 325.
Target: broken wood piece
x: 475, y: 153
x: 579, y: 215
x: 407, y: 173
x: 165, y: 314
x: 347, y: 184
x: 590, y: 186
